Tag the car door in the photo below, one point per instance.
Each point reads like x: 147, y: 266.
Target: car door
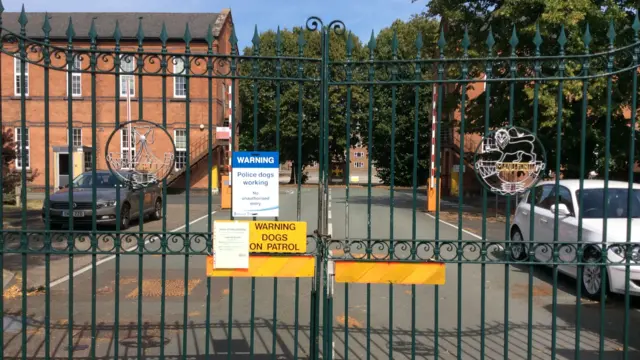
x: 523, y: 214
x: 543, y: 220
x: 134, y: 200
x: 567, y: 232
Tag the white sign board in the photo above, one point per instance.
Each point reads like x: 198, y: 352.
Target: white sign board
x: 231, y: 245
x: 256, y: 184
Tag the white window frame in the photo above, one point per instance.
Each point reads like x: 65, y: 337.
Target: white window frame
x: 76, y: 77
x: 123, y: 78
x: 180, y: 149
x: 177, y: 62
x: 73, y: 136
x: 18, y: 141
x: 16, y: 76
x: 126, y: 149
x: 355, y: 164
x: 358, y: 154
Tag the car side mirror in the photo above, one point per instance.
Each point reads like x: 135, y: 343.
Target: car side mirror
x: 563, y: 210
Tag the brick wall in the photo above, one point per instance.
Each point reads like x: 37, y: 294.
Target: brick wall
x: 146, y: 104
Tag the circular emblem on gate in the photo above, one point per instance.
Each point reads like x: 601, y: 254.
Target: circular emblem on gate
x: 140, y: 153
x: 509, y: 160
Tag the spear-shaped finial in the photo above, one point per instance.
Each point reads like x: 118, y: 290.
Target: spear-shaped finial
x: 164, y: 36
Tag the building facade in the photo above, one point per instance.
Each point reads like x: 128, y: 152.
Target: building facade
x: 53, y: 98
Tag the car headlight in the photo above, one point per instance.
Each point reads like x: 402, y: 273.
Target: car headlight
x: 634, y: 255
x: 102, y: 204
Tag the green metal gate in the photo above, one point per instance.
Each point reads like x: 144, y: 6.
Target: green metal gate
x: 85, y: 291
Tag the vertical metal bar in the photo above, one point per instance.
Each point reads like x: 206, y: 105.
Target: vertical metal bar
x: 23, y: 184
x: 230, y: 320
x: 70, y: 239
x: 394, y: 119
x: 299, y: 182
x: 233, y: 147
x: 254, y: 87
x: 141, y: 196
x: 607, y: 160
x: 507, y: 225
x: 532, y: 196
x: 47, y: 184
x: 348, y: 177
x: 483, y: 266
x: 436, y: 253
x: 116, y: 323
x: 94, y: 198
x: 414, y: 207
x: 463, y: 108
x: 163, y: 272
x: 187, y: 236
x: 275, y: 279
x: 210, y: 181
x: 554, y: 304
x: 583, y: 146
x: 630, y: 195
x: 372, y: 44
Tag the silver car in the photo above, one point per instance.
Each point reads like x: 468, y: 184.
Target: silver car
x: 106, y: 183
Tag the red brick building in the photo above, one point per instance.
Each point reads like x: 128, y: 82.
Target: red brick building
x: 146, y: 95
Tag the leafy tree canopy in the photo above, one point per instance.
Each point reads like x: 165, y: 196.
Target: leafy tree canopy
x: 560, y: 22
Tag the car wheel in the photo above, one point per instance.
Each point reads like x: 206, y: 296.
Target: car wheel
x: 591, y: 281
x: 157, y: 210
x: 125, y: 217
x: 518, y: 248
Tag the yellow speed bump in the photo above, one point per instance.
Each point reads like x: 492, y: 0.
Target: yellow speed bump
x: 268, y: 266
x: 389, y: 272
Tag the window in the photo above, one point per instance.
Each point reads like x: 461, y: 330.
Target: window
x: 358, y: 154
x: 126, y: 65
x: 180, y: 138
x: 76, y: 80
x: 128, y: 147
x: 593, y: 204
x: 358, y: 164
x: 179, y: 82
x: 16, y: 76
x: 77, y: 137
x: 547, y: 197
x: 88, y: 161
x: 18, y: 139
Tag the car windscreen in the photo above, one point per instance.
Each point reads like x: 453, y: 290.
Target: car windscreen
x: 102, y: 181
x: 593, y: 203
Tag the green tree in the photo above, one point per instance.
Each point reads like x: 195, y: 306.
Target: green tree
x: 501, y: 16
x: 259, y: 98
x: 403, y: 41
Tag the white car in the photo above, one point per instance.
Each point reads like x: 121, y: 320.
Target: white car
x: 592, y: 211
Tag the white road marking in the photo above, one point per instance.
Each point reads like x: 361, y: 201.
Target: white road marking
x: 455, y: 227
x: 447, y: 223
x: 109, y: 258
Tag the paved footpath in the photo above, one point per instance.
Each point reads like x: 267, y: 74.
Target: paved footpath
x: 281, y: 315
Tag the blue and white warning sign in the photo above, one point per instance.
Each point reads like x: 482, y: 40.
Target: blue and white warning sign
x: 256, y: 184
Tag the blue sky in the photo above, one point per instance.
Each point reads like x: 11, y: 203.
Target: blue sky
x: 360, y: 16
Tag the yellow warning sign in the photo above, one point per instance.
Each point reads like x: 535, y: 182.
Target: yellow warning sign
x: 292, y: 266
x: 277, y: 236
x: 390, y: 272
